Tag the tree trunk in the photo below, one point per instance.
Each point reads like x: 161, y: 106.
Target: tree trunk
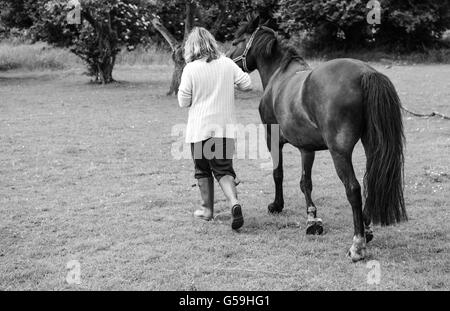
x: 107, y: 49
x: 165, y: 33
x: 177, y: 47
x: 189, y: 21
x: 177, y: 55
x: 105, y: 70
x: 178, y: 59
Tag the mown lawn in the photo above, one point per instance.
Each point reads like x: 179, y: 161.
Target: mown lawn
x: 87, y: 175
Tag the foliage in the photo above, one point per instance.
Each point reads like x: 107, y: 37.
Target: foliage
x: 415, y: 23
x: 14, y: 15
x: 342, y: 23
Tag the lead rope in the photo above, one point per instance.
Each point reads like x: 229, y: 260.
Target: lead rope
x: 420, y: 115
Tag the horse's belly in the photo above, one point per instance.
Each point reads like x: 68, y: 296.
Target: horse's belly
x: 303, y: 136
x: 296, y: 126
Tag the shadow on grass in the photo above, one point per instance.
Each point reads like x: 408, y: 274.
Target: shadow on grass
x: 141, y: 84
x: 32, y: 77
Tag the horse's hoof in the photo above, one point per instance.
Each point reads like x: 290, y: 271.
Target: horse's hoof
x: 369, y: 236
x: 204, y: 214
x: 314, y: 227
x: 358, y: 250
x: 275, y: 208
x: 357, y: 255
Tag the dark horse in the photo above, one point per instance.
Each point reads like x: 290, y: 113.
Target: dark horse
x: 331, y: 107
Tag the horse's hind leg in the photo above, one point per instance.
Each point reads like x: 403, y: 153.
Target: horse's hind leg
x: 366, y: 216
x: 367, y: 227
x: 344, y: 167
x: 313, y: 224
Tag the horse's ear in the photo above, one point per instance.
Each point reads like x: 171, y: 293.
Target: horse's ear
x: 251, y: 16
x: 256, y: 22
x: 271, y: 23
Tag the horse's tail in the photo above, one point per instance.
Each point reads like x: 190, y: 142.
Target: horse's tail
x: 383, y: 140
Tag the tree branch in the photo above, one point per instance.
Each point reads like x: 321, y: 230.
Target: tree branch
x: 91, y: 20
x: 190, y: 13
x: 174, y: 44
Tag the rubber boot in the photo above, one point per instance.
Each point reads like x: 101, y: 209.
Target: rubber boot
x: 228, y: 185
x: 206, y: 186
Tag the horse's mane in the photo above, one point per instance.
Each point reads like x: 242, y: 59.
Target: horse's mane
x: 267, y: 45
x: 291, y: 54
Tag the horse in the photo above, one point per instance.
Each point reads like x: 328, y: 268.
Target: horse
x: 330, y: 108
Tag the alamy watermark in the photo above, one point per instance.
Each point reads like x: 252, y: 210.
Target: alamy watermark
x: 374, y: 15
x: 73, y: 276
x: 74, y: 15
x: 374, y: 274
x: 251, y: 143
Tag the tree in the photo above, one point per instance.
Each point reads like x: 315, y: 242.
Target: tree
x: 176, y: 18
x: 105, y: 27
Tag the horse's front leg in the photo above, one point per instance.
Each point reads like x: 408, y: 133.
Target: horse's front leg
x: 276, y: 151
x: 313, y: 224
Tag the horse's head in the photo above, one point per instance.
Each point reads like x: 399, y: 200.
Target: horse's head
x: 249, y: 42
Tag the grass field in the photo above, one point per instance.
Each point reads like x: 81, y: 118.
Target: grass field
x: 21, y: 55
x: 86, y: 175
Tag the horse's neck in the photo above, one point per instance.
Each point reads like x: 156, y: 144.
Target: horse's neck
x: 267, y: 69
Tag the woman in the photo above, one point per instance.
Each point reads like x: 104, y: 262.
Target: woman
x: 207, y: 88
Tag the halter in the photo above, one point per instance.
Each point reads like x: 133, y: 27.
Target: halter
x: 243, y: 57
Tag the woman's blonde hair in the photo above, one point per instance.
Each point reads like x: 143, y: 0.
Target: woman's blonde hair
x: 201, y: 44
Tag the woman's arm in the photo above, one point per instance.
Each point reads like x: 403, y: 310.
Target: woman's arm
x: 185, y: 89
x: 241, y: 79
